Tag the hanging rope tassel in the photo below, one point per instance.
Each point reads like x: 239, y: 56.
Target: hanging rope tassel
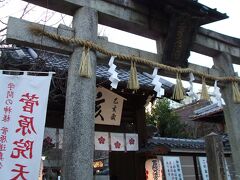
x: 236, y: 93
x: 204, y: 94
x: 133, y: 79
x: 85, y: 69
x: 178, y: 89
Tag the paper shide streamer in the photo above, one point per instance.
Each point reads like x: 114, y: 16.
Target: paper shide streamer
x: 191, y: 92
x: 178, y: 94
x: 157, y: 84
x: 114, y: 75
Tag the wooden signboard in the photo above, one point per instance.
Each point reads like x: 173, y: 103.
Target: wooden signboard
x: 108, y: 108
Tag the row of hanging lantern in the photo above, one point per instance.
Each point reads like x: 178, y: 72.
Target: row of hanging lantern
x: 178, y: 93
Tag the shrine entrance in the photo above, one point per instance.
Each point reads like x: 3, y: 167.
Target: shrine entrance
x: 167, y: 22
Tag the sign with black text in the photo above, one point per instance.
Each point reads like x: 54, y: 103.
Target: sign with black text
x: 108, y: 107
x: 172, y: 167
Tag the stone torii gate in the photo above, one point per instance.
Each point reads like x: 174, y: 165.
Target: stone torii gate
x: 80, y: 97
x: 79, y: 117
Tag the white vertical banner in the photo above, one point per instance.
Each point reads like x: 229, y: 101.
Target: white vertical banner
x: 102, y: 141
x: 172, y: 167
x: 227, y: 170
x: 203, y: 167
x: 132, y: 142
x: 23, y: 108
x: 117, y: 142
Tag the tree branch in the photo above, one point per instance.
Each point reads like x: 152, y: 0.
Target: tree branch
x: 3, y: 29
x: 26, y: 10
x: 3, y: 22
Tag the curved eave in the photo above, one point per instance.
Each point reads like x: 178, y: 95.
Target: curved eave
x: 212, y: 117
x: 192, y: 7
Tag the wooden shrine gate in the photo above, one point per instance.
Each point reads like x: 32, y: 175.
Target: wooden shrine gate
x: 164, y: 22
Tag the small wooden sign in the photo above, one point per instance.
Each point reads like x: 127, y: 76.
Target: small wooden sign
x: 108, y: 108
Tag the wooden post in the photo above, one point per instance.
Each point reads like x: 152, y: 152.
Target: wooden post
x: 215, y: 157
x: 141, y: 129
x: 57, y: 138
x: 78, y: 144
x: 223, y: 63
x: 195, y: 167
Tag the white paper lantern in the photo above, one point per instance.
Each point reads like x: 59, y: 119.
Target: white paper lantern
x: 153, y: 169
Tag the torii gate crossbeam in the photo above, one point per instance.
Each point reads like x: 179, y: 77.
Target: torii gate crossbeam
x: 79, y: 114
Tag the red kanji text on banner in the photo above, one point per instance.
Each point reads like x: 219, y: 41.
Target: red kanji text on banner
x: 23, y: 108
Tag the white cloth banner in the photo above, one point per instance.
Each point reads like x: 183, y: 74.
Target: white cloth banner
x: 102, y: 141
x: 227, y: 170
x: 22, y: 119
x: 172, y: 167
x: 117, y: 142
x: 158, y: 85
x: 132, y: 142
x: 203, y: 167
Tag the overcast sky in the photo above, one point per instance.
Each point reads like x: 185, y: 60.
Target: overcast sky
x: 228, y: 26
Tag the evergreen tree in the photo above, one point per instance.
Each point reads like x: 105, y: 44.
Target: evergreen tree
x: 166, y: 120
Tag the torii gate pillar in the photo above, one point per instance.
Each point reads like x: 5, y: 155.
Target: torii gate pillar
x: 223, y: 63
x: 78, y: 142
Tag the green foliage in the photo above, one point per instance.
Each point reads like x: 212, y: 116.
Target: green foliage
x: 166, y: 120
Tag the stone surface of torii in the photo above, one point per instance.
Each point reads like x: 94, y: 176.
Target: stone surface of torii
x: 169, y: 23
x: 223, y: 62
x: 129, y: 16
x: 79, y: 118
x: 78, y: 141
x: 19, y: 33
x: 80, y: 98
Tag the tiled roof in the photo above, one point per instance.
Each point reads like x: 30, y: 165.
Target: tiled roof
x: 55, y: 61
x: 176, y: 143
x: 206, y: 111
x: 182, y: 144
